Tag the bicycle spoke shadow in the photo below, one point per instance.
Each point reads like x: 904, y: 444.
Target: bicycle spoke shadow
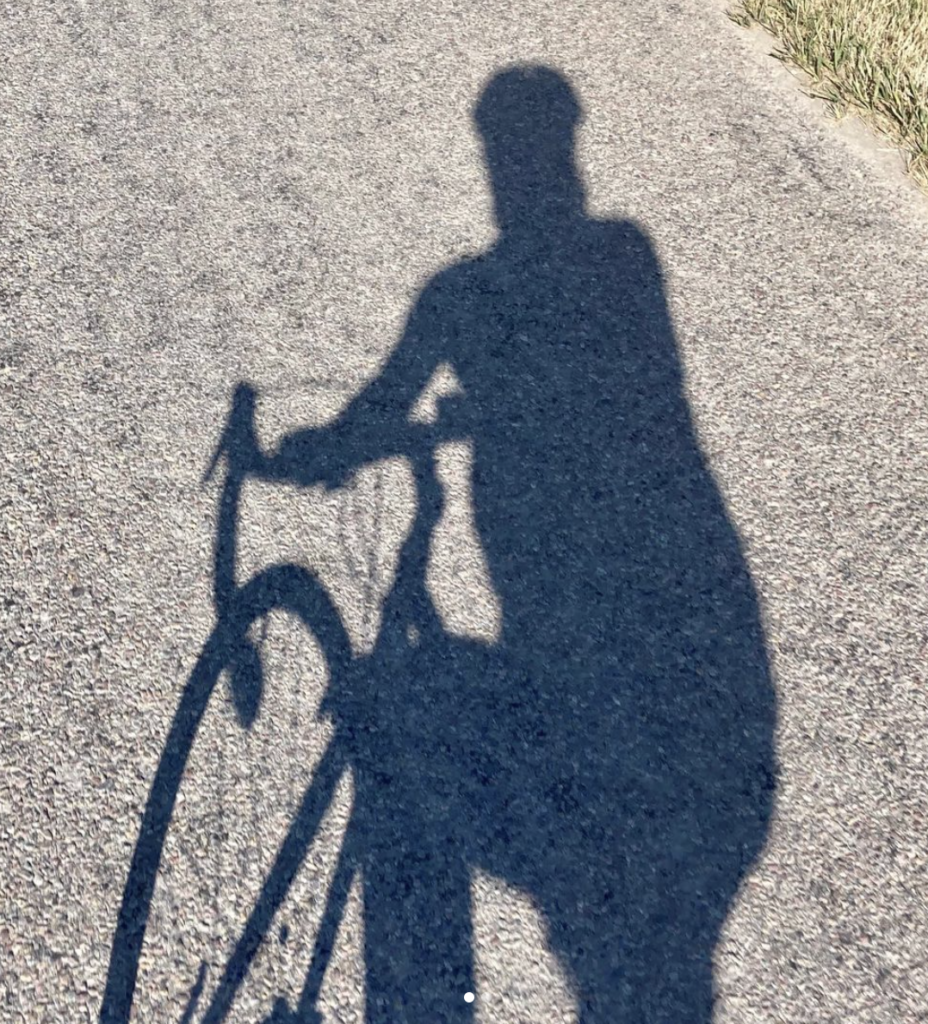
x: 612, y: 754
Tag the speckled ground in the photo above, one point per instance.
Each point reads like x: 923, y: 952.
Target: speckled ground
x: 197, y: 193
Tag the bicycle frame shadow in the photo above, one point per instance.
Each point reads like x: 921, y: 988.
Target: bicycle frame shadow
x: 613, y: 754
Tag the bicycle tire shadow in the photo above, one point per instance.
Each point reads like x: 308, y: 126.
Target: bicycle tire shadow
x: 613, y: 754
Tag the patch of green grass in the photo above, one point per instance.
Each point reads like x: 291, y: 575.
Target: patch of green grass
x: 867, y: 56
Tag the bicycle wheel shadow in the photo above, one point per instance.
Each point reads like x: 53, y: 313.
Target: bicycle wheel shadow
x: 613, y: 754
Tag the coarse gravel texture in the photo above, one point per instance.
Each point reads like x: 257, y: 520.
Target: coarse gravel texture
x: 199, y: 193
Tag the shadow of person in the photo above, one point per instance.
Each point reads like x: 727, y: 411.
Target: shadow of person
x: 612, y: 755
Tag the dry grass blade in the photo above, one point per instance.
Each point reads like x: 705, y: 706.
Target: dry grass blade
x: 870, y: 56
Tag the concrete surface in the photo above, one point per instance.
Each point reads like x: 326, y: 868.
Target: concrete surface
x: 201, y: 193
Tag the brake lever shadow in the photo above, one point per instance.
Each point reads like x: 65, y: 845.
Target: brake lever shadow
x: 239, y: 421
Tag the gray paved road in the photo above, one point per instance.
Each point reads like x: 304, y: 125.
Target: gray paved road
x: 649, y: 741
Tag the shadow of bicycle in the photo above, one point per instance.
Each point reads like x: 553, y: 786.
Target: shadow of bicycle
x: 611, y: 754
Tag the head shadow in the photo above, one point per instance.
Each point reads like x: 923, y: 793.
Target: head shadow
x: 527, y: 118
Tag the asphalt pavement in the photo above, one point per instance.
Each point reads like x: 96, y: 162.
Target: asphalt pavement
x: 617, y: 711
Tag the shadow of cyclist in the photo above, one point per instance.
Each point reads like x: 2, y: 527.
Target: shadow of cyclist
x: 613, y: 754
